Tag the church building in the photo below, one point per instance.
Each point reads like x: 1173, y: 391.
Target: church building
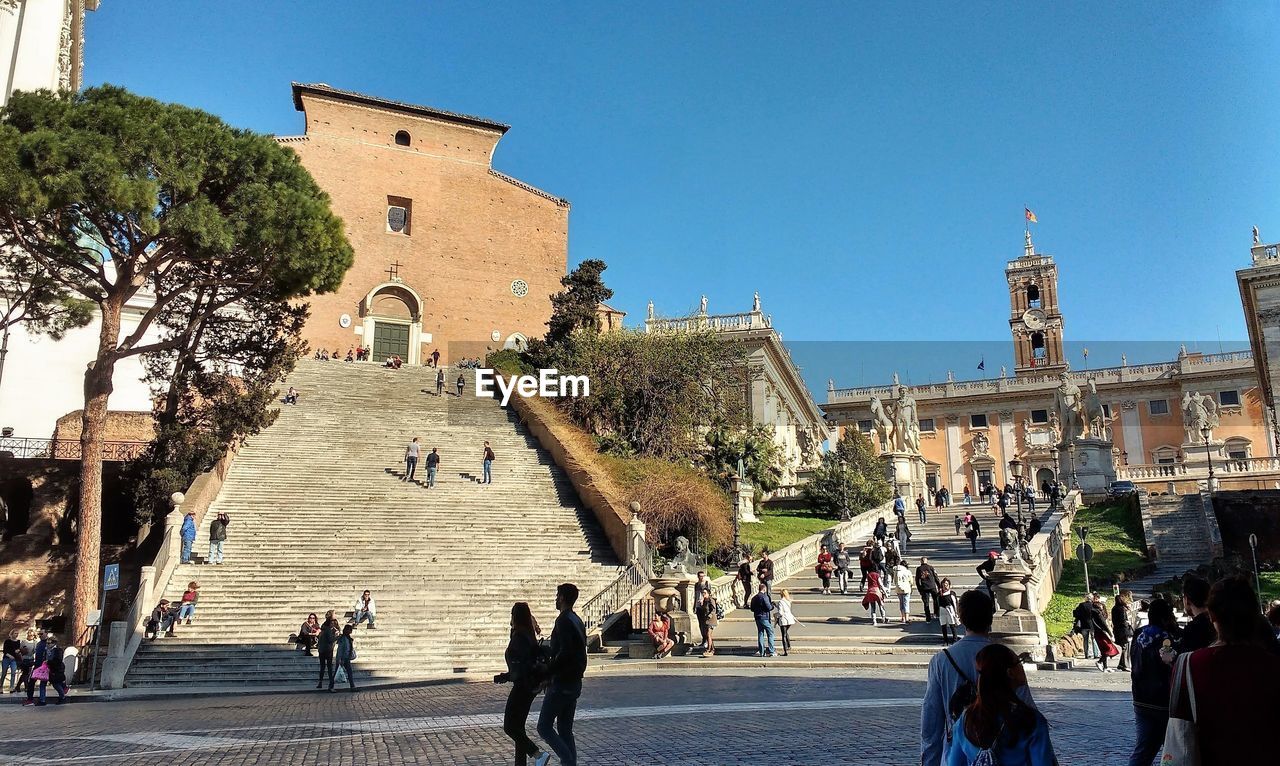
x: 451, y: 255
x: 970, y: 430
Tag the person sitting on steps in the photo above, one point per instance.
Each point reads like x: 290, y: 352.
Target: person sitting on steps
x: 189, y: 598
x: 659, y: 634
x: 309, y: 633
x: 364, y: 609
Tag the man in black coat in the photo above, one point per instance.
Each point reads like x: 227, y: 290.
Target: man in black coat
x: 927, y: 581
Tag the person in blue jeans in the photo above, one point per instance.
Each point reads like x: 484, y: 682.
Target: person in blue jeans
x: 433, y: 464
x: 762, y: 609
x: 1151, y: 681
x: 188, y: 536
x: 57, y: 672
x: 488, y: 465
x: 567, y: 663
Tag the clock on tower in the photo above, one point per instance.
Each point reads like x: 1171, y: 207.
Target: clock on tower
x: 1034, y: 318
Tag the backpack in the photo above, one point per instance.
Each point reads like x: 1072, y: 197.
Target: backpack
x: 961, y: 698
x: 877, y: 555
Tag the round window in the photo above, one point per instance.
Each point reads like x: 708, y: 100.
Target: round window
x: 519, y: 288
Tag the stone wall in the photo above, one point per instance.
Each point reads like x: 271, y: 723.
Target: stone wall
x: 1241, y: 513
x: 576, y: 457
x: 121, y: 427
x: 37, y: 563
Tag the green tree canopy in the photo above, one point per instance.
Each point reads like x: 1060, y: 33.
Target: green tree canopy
x: 175, y: 203
x: 574, y: 308
x: 849, y: 479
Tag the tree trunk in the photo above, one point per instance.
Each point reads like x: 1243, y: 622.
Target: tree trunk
x: 93, y: 421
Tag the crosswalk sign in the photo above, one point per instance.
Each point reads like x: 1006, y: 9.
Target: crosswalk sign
x: 111, y: 577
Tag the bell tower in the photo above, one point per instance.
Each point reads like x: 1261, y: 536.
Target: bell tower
x: 1034, y: 316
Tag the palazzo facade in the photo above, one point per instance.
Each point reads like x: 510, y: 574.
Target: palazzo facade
x: 971, y: 429
x: 451, y: 255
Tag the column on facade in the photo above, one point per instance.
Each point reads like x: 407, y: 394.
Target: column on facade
x: 1006, y: 443
x: 955, y: 466
x: 1131, y: 428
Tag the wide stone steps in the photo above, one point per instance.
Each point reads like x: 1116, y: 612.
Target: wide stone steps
x: 318, y: 513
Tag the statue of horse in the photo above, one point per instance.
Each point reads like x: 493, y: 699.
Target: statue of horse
x: 881, y: 423
x: 1095, y: 416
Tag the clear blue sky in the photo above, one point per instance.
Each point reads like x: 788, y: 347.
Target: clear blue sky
x: 863, y: 167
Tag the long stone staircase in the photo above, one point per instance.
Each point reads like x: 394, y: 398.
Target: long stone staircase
x: 319, y: 513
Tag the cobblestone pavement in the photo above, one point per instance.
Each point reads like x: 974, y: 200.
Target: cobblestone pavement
x: 693, y: 718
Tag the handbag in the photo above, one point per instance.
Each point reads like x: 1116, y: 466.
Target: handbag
x: 41, y: 673
x: 1181, y: 739
x: 341, y: 676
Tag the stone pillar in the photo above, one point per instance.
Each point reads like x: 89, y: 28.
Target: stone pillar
x: 1017, y: 623
x: 637, y: 547
x: 115, y: 665
x: 746, y: 503
x: 1095, y: 466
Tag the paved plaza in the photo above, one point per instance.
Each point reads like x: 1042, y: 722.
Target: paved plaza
x: 690, y: 718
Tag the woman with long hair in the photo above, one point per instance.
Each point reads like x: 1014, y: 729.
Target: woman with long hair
x: 525, y: 672
x: 786, y: 618
x: 997, y: 723
x: 346, y: 653
x: 948, y: 611
x: 308, y: 633
x: 873, y: 602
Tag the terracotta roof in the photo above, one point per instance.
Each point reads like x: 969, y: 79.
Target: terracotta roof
x: 561, y: 201
x: 611, y: 309
x: 382, y: 103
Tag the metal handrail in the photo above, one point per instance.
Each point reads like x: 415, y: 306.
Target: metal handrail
x: 615, y: 598
x: 66, y: 449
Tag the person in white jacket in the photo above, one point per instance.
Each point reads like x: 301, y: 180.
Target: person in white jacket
x: 902, y: 585
x: 785, y: 619
x: 365, y: 609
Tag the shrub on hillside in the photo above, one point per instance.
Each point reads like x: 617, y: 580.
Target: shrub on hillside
x: 674, y: 500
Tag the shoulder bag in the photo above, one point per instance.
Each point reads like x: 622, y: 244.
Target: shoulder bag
x: 1181, y: 739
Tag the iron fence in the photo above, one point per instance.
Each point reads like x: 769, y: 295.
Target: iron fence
x: 66, y: 449
x: 618, y: 596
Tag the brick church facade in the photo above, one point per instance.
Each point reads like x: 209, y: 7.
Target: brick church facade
x: 450, y: 254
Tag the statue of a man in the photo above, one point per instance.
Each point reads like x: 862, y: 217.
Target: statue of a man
x: 906, y: 426
x: 1199, y: 412
x: 1257, y: 239
x: 703, y: 305
x: 1068, y: 403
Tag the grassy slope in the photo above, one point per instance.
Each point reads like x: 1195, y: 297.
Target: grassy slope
x: 1115, y: 533
x: 1270, y: 585
x: 778, y: 529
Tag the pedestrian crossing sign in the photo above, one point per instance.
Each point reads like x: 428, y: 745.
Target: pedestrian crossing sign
x: 111, y: 577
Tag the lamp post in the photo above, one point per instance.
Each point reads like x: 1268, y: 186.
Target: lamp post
x: 1205, y: 432
x: 1015, y: 470
x: 1053, y: 495
x: 735, y: 484
x: 1071, y: 451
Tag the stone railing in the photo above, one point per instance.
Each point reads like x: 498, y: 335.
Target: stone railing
x: 1223, y: 466
x: 1102, y: 375
x: 1048, y: 549
x: 1151, y: 471
x: 1248, y: 465
x: 751, y: 320
x: 1264, y: 253
x: 67, y: 449
x: 126, y: 636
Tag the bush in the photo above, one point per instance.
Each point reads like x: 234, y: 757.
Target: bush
x: 674, y: 500
x: 849, y: 479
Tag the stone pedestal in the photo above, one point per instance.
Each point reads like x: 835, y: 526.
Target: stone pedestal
x: 672, y: 596
x: 1197, y: 457
x: 1094, y: 468
x: 746, y: 503
x: 1017, y: 623
x: 905, y: 471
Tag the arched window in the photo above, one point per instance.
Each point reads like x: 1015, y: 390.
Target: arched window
x: 402, y: 138
x: 1037, y: 345
x: 1033, y: 297
x: 1238, y: 448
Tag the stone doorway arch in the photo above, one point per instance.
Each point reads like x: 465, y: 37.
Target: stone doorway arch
x: 392, y: 322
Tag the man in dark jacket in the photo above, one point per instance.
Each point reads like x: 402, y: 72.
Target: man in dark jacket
x: 1082, y: 616
x: 745, y: 577
x: 1200, y: 632
x: 764, y: 572
x: 328, y: 638
x: 217, y: 536
x: 762, y: 610
x: 567, y: 664
x: 927, y: 584
x: 1150, y: 681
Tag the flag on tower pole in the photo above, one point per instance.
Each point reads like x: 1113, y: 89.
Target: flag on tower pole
x: 982, y: 364
x: 1031, y: 217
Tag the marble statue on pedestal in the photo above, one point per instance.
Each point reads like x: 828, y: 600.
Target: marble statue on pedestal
x: 683, y: 562
x: 906, y: 424
x: 1068, y: 403
x: 1095, y: 416
x: 1199, y: 412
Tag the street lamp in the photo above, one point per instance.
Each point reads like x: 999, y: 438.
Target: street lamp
x: 1015, y: 470
x: 1071, y: 452
x: 1205, y: 432
x: 1053, y: 494
x: 735, y: 485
